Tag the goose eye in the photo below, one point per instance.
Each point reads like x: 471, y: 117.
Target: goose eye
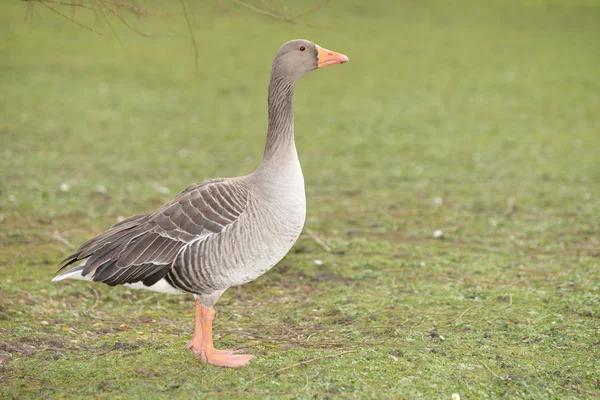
x: 302, y: 48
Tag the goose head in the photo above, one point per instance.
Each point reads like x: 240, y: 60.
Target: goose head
x: 298, y: 57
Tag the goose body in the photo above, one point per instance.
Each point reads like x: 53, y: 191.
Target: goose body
x: 221, y: 232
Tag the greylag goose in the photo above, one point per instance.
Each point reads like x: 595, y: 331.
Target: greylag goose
x: 217, y: 233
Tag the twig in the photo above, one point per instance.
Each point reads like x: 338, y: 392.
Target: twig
x: 220, y: 4
x: 491, y: 372
x: 315, y: 8
x: 259, y: 11
x: 273, y: 6
x: 133, y: 28
x: 276, y: 15
x: 64, y: 3
x: 28, y: 12
x: 318, y: 240
x: 299, y: 364
x: 56, y: 236
x: 114, y: 32
x: 189, y: 25
x: 70, y: 19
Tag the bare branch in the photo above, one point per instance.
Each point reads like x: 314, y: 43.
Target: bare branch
x: 259, y: 11
x: 315, y: 8
x: 193, y: 39
x: 105, y: 8
x: 42, y: 2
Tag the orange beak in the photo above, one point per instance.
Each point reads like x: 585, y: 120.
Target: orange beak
x: 328, y: 57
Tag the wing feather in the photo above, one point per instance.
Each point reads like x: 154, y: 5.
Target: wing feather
x: 143, y: 247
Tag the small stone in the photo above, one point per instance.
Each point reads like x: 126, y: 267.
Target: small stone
x: 103, y: 88
x: 438, y: 234
x: 318, y: 262
x: 101, y: 189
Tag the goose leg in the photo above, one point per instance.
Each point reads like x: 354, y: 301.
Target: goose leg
x: 196, y: 343
x: 202, y: 343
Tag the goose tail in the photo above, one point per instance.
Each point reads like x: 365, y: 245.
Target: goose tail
x: 75, y: 273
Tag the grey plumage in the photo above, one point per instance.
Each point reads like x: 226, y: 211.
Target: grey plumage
x: 144, y: 247
x: 220, y: 232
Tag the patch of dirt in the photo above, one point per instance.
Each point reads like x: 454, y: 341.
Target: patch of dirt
x: 108, y: 386
x: 326, y: 274
x: 27, y: 346
x: 124, y: 346
x: 302, y: 249
x: 9, y: 349
x: 146, y: 372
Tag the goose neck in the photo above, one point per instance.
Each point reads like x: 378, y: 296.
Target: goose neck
x: 280, y: 133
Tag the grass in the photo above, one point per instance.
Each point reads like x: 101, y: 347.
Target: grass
x: 479, y: 121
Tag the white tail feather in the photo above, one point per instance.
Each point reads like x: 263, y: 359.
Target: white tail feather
x: 75, y: 273
x: 162, y: 286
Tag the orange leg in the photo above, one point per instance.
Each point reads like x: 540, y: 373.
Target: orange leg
x: 196, y: 344
x: 202, y: 343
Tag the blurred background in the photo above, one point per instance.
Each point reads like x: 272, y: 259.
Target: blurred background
x: 451, y: 167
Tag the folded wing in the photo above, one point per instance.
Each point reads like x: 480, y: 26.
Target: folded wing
x: 143, y: 247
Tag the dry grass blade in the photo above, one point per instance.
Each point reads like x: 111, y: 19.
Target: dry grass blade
x: 57, y: 236
x: 318, y: 240
x: 299, y: 364
x: 491, y: 372
x: 96, y: 300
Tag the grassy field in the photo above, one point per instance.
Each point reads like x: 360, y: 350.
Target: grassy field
x: 479, y: 119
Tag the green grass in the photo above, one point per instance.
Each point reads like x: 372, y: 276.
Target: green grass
x: 480, y: 121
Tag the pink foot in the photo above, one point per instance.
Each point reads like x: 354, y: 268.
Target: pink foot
x: 197, y: 350
x: 191, y: 344
x: 221, y: 359
x: 202, y: 344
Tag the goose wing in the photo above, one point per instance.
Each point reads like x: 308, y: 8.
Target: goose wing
x: 143, y: 247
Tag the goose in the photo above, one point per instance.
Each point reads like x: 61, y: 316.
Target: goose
x: 217, y: 233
